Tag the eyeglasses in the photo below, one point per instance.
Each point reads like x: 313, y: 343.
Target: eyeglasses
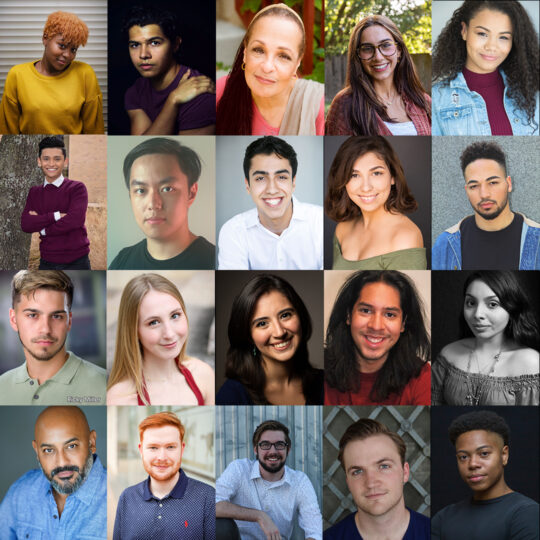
x: 265, y: 445
x: 367, y: 51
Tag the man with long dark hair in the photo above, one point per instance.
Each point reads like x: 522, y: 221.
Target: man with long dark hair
x: 377, y: 347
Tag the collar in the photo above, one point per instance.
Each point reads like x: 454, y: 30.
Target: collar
x: 256, y: 473
x: 177, y: 491
x: 57, y: 182
x: 299, y: 213
x: 63, y: 376
x: 460, y: 82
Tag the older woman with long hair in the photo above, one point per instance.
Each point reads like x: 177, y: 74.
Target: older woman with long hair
x: 268, y: 360
x: 368, y: 196
x: 263, y: 95
x: 383, y: 94
x: 150, y: 365
x: 496, y: 361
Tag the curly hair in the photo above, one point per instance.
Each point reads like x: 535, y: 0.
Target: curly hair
x: 482, y: 150
x: 521, y: 64
x: 235, y: 108
x: 72, y: 29
x: 406, y: 358
x: 338, y: 205
x: 479, y: 420
x: 365, y: 105
x: 522, y: 326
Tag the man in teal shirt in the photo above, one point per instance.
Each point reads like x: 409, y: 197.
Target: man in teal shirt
x: 67, y: 498
x: 41, y: 315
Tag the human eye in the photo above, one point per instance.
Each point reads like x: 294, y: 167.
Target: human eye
x: 31, y: 315
x: 72, y: 446
x: 74, y: 50
x: 390, y: 315
x: 377, y: 173
x: 257, y: 50
x: 260, y: 178
x: 155, y: 42
x: 385, y: 466
x: 176, y: 315
x: 167, y: 189
x: 367, y: 49
x: 283, y: 177
x: 481, y: 34
x: 462, y: 457
x: 133, y: 45
x: 485, y: 453
x: 364, y: 310
x: 153, y: 322
x: 287, y: 314
x: 48, y: 450
x: 58, y: 316
x: 469, y: 302
x: 261, y: 324
x: 386, y: 46
x: 493, y: 304
x: 285, y: 56
x: 356, y: 472
x: 139, y: 191
x: 472, y: 186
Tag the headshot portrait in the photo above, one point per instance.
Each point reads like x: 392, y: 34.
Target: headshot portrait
x: 57, y: 478
x: 161, y: 347
x: 269, y: 193
x: 268, y: 472
x: 273, y: 83
x: 372, y: 186
x: 377, y: 471
x: 485, y: 61
x: 161, y: 63
x: 162, y: 190
x: 161, y: 474
x: 269, y: 338
x: 480, y: 487
x: 55, y: 202
x: 485, y: 338
x: 53, y: 77
x: 485, y: 212
x: 377, y: 345
x: 53, y: 338
x: 378, y: 65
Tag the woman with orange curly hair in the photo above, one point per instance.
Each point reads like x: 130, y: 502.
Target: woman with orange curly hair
x: 54, y: 95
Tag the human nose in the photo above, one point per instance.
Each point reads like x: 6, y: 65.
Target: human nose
x: 479, y: 311
x: 377, y: 54
x: 45, y: 325
x: 144, y: 51
x: 371, y: 479
x: 278, y: 329
x: 272, y: 186
x: 268, y: 64
x: 376, y: 321
x: 484, y: 191
x: 167, y: 330
x: 154, y: 200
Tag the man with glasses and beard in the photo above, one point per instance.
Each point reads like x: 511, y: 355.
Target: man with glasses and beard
x: 264, y: 496
x: 494, y: 238
x: 67, y: 498
x: 168, y: 505
x: 41, y: 315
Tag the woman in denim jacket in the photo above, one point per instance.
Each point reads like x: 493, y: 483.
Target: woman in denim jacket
x: 485, y: 69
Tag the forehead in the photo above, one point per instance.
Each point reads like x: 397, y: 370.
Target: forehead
x: 153, y: 168
x: 470, y: 440
x: 277, y: 31
x: 375, y: 34
x: 162, y: 434
x: 60, y: 428
x: 269, y: 163
x: 492, y: 19
x: 370, y: 450
x: 379, y: 294
x: 271, y: 435
x: 155, y: 302
x: 51, y: 152
x: 369, y: 160
x: 269, y: 302
x: 479, y: 289
x: 43, y: 299
x: 142, y: 33
x: 480, y: 169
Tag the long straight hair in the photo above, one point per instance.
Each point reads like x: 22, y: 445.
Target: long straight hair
x: 365, y: 105
x: 128, y: 357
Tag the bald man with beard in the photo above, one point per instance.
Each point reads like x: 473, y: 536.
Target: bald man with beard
x: 67, y: 496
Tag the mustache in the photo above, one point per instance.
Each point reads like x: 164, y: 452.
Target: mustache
x: 71, y: 468
x: 45, y: 336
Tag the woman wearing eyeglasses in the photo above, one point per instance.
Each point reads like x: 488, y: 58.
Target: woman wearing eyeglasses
x: 383, y: 94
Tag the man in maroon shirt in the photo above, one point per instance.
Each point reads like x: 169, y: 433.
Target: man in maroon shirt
x: 57, y: 210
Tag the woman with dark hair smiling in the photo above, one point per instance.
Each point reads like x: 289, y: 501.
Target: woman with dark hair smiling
x: 485, y: 69
x: 383, y: 94
x: 268, y: 360
x: 368, y: 197
x: 262, y: 94
x: 496, y: 362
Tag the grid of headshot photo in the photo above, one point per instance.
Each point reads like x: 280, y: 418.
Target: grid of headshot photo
x: 270, y: 270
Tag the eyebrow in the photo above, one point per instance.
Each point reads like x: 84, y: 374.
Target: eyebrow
x: 378, y: 462
x: 280, y: 171
x: 388, y: 308
x: 483, y: 297
x: 135, y: 182
x: 146, y: 40
x: 476, y: 449
x: 32, y: 310
x: 179, y: 308
x: 488, y: 30
x: 73, y: 439
x: 279, y: 313
x: 371, y: 169
x: 494, y: 177
x: 378, y: 43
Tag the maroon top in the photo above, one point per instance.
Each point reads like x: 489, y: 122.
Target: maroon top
x: 491, y: 87
x: 65, y: 240
x: 189, y: 379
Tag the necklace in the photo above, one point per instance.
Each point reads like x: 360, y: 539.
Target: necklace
x: 389, y: 102
x: 475, y: 393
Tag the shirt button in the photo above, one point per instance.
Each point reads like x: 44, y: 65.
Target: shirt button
x: 456, y: 114
x: 55, y: 517
x: 36, y: 396
x: 159, y: 517
x: 31, y: 383
x: 516, y: 120
x: 160, y: 505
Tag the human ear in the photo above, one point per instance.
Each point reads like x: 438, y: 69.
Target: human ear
x: 13, y: 320
x: 509, y: 182
x: 464, y: 31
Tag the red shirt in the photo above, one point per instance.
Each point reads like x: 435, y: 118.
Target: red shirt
x: 416, y: 392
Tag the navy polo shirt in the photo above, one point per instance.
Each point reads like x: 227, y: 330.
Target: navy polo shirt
x: 187, y: 513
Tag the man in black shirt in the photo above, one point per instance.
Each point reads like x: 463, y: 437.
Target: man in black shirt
x: 161, y: 176
x: 494, y: 238
x: 494, y: 511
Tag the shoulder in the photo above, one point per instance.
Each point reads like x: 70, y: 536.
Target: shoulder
x: 522, y: 501
x: 198, y: 367
x: 239, y: 222
x: 342, y: 98
x: 27, y: 484
x: 233, y: 392
x: 132, y: 491
x: 75, y: 184
x: 200, y: 487
x: 90, y: 370
x: 122, y: 393
x: 7, y: 378
x: 82, y: 67
x: 344, y: 229
x: 525, y: 361
x: 419, y: 521
x: 128, y: 256
x: 309, y: 210
x: 457, y: 350
x: 407, y: 234
x: 342, y: 530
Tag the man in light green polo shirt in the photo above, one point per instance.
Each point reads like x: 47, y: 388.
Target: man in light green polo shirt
x: 41, y: 315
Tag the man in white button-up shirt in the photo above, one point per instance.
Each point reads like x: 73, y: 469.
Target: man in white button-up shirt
x: 265, y: 495
x: 280, y: 232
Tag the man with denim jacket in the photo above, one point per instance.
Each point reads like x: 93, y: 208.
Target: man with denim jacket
x: 494, y: 238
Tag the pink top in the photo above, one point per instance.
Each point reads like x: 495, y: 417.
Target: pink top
x: 259, y: 125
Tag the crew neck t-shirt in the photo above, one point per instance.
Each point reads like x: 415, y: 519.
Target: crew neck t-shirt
x: 491, y: 250
x: 510, y: 517
x: 199, y: 255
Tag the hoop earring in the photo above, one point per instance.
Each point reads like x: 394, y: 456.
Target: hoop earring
x: 243, y: 66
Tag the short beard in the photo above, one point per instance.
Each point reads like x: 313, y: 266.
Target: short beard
x: 67, y: 488
x: 493, y: 215
x: 276, y: 468
x: 44, y: 358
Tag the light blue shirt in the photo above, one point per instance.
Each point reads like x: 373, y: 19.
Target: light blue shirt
x: 29, y: 511
x: 456, y: 110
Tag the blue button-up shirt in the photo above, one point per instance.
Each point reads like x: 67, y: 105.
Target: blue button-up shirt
x: 29, y: 511
x: 459, y: 111
x: 187, y: 513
